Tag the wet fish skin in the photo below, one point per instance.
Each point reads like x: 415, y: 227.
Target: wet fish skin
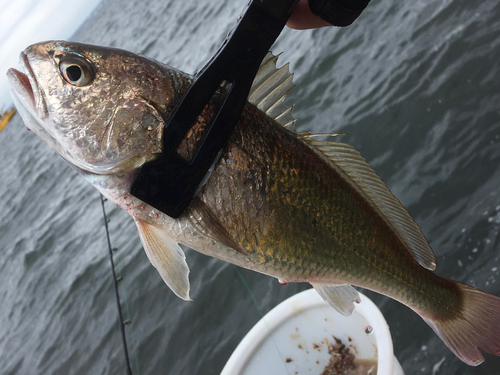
x: 315, y: 226
x: 97, y: 135
x: 277, y: 202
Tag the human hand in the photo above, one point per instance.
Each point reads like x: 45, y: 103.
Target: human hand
x: 337, y: 12
x: 302, y: 18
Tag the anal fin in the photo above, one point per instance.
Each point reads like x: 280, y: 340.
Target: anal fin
x: 167, y: 257
x: 340, y: 296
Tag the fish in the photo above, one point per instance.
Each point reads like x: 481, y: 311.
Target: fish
x: 279, y: 202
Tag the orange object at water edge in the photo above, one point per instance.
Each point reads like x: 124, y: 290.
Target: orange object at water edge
x: 5, y: 118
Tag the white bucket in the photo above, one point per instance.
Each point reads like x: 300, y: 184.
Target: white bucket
x: 290, y: 339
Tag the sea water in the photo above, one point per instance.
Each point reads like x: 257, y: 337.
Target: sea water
x: 415, y: 85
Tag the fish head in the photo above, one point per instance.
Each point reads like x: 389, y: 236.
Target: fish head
x: 102, y: 109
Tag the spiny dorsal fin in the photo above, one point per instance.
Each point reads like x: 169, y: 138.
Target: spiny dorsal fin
x: 368, y: 183
x: 270, y: 87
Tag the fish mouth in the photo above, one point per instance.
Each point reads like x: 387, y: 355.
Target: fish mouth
x: 26, y: 89
x: 22, y: 85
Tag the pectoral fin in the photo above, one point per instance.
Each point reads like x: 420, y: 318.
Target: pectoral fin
x: 204, y: 219
x: 167, y: 257
x: 340, y: 296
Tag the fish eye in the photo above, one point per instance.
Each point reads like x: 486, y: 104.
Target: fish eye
x: 77, y: 71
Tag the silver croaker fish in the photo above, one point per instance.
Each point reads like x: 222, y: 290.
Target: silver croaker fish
x: 277, y: 202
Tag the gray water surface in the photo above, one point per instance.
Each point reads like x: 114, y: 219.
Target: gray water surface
x: 414, y: 84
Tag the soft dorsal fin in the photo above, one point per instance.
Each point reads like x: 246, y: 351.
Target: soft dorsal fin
x: 270, y: 87
x: 369, y: 184
x: 167, y: 257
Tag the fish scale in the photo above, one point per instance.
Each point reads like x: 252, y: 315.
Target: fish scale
x: 298, y: 185
x: 320, y: 242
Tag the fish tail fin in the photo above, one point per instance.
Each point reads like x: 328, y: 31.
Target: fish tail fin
x: 476, y: 325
